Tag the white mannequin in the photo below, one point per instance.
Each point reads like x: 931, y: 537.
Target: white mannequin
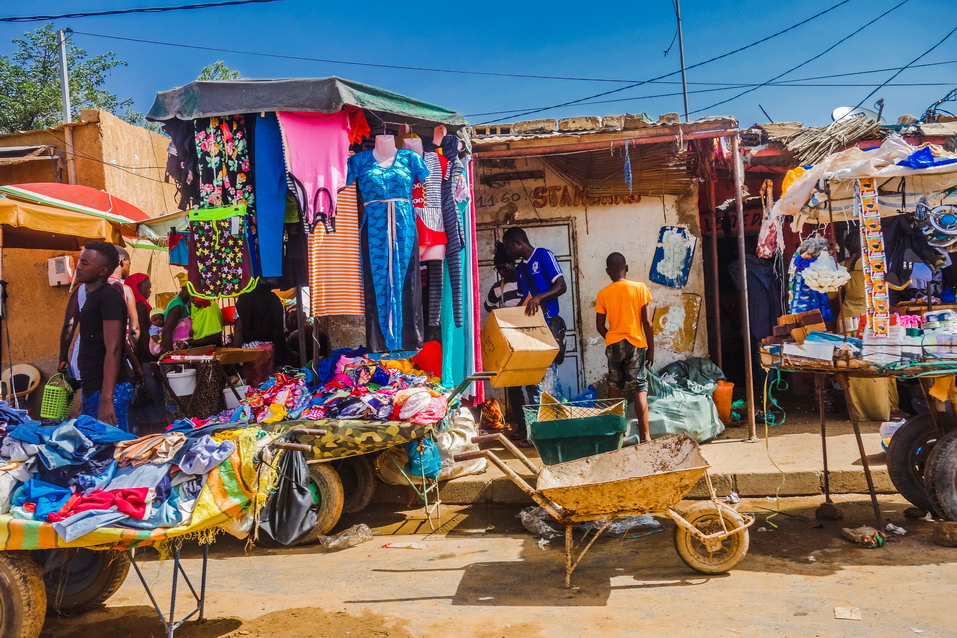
x: 385, y: 150
x: 439, y: 132
x: 414, y: 144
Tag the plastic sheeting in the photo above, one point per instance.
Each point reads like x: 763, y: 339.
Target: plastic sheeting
x: 673, y: 410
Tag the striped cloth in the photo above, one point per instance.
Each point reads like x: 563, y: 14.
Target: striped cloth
x: 335, y: 272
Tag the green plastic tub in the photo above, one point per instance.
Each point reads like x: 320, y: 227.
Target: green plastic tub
x: 568, y: 431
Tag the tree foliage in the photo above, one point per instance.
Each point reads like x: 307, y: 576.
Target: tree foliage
x: 30, y: 82
x: 218, y: 71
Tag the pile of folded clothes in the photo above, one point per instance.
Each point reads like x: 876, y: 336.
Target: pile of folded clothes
x: 355, y: 387
x: 82, y: 474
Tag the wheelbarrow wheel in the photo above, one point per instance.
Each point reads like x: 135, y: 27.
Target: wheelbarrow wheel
x: 23, y: 600
x: 78, y: 579
x: 327, y: 491
x: 907, y: 457
x: 715, y: 560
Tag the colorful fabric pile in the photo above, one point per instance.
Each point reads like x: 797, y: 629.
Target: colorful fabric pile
x: 356, y: 388
x: 61, y: 483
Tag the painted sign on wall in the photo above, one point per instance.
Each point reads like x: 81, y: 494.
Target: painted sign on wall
x: 673, y: 256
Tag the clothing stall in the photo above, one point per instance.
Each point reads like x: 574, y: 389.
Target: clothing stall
x: 357, y: 197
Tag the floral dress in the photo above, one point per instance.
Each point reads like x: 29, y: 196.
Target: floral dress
x: 390, y: 257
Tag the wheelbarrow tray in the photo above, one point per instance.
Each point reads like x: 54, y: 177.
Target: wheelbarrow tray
x: 642, y: 479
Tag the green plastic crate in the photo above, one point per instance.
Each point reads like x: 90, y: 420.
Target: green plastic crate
x: 569, y: 431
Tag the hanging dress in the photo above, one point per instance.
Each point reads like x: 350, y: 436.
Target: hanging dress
x: 390, y: 256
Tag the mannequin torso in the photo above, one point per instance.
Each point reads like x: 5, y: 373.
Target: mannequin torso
x: 385, y: 150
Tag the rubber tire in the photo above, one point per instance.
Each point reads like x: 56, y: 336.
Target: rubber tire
x: 940, y: 477
x: 23, y: 600
x: 358, y: 483
x: 92, y: 579
x: 905, y: 465
x: 328, y: 487
x: 687, y: 545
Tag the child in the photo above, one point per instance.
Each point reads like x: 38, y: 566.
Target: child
x: 623, y: 318
x: 156, y: 331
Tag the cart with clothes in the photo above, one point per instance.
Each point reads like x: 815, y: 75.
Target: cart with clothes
x: 897, y: 206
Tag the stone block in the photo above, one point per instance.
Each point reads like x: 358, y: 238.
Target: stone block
x: 615, y: 122
x: 854, y: 482
x: 528, y: 127
x: 723, y: 485
x: 467, y: 490
x: 586, y: 123
x: 767, y: 484
x: 504, y: 491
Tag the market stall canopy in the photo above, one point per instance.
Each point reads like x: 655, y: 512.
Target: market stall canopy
x: 28, y: 225
x: 904, y: 174
x: 79, y: 199
x: 319, y: 95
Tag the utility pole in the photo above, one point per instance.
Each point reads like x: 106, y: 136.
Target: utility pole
x: 67, y: 110
x: 681, y: 56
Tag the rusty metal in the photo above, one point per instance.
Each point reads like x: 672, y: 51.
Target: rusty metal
x: 819, y: 388
x: 643, y: 479
x: 743, y: 268
x: 842, y: 380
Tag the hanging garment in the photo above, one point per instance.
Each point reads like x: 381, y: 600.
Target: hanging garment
x: 223, y: 161
x: 390, y: 257
x: 453, y: 222
x: 270, y: 176
x: 182, y: 161
x: 219, y: 264
x: 178, y: 242
x: 316, y: 148
x: 429, y: 216
x: 335, y: 268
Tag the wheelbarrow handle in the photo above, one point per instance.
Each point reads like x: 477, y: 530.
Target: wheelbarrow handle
x: 301, y: 447
x: 485, y: 438
x: 508, y: 445
x: 470, y: 456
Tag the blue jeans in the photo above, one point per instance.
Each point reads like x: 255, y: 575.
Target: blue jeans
x: 122, y: 395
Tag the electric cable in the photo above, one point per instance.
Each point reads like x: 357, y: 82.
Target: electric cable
x: 939, y: 42
x: 687, y: 68
x: 807, y: 61
x: 113, y: 12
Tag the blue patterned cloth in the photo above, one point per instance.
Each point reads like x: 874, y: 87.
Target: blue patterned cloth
x: 389, y: 234
x: 122, y: 395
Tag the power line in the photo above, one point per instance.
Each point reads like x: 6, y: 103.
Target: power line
x: 808, y: 61
x: 93, y: 14
x: 939, y: 42
x: 708, y: 61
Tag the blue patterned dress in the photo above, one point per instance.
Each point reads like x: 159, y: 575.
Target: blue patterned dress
x: 390, y: 254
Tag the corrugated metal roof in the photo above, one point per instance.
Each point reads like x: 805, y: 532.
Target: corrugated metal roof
x: 607, y: 124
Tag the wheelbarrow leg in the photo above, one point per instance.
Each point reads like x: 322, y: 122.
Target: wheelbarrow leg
x: 569, y: 548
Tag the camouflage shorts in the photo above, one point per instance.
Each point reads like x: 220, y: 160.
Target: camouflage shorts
x: 626, y: 367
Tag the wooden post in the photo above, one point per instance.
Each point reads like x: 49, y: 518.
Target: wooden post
x: 715, y: 292
x: 743, y: 268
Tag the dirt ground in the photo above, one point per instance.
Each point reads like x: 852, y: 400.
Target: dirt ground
x: 482, y: 575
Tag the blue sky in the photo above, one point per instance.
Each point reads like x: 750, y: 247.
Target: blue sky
x: 607, y: 40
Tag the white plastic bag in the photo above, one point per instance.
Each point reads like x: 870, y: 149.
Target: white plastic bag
x: 825, y: 275
x: 458, y: 440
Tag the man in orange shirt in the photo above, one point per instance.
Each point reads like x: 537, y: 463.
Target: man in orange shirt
x: 624, y: 319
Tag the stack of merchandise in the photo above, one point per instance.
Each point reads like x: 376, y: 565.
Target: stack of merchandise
x: 350, y: 386
x: 82, y: 475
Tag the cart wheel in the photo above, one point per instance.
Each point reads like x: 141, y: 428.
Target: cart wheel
x: 730, y: 551
x: 358, y: 483
x: 907, y: 457
x: 78, y: 580
x: 23, y: 600
x: 940, y: 476
x: 327, y: 492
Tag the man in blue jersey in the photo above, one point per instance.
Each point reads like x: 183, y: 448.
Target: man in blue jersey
x: 540, y: 283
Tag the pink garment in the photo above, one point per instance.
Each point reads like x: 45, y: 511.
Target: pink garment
x: 316, y: 146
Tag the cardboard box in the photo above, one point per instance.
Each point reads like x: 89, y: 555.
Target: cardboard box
x: 517, y: 347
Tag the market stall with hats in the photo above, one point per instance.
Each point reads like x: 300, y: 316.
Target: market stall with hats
x: 885, y: 314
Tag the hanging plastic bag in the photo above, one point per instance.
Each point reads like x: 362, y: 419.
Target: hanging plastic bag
x: 291, y: 511
x: 458, y: 440
x: 424, y: 459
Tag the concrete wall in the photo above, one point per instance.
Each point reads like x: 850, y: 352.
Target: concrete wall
x: 125, y: 160
x: 629, y: 228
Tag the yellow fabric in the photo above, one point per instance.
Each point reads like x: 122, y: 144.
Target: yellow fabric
x: 56, y: 220
x: 181, y: 279
x: 944, y: 389
x: 206, y: 321
x: 790, y: 177
x: 854, y: 304
x: 872, y: 399
x: 622, y: 303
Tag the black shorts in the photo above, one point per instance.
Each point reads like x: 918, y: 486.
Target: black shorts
x: 626, y: 367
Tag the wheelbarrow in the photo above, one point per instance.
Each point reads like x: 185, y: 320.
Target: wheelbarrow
x: 650, y: 478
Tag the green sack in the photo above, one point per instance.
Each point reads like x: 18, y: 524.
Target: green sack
x: 673, y: 410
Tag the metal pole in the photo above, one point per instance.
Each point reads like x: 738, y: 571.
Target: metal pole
x: 64, y: 76
x: 743, y: 268
x: 681, y: 56
x: 715, y: 292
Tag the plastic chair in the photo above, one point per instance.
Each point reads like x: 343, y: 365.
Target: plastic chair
x: 26, y: 379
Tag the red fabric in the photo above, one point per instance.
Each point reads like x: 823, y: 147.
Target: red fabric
x: 429, y: 237
x: 429, y: 359
x: 133, y: 281
x: 130, y: 501
x: 358, y: 126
